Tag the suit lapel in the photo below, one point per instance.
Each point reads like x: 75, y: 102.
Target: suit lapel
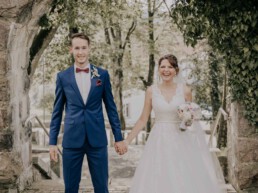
x: 93, y: 83
x: 74, y: 84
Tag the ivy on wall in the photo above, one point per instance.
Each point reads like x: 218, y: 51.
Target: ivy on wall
x: 232, y: 31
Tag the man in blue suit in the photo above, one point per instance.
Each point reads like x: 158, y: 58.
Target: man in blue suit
x: 80, y: 89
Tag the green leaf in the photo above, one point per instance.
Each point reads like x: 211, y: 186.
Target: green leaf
x: 246, y: 50
x: 256, y: 93
x: 244, y: 72
x: 251, y: 66
x: 255, y: 47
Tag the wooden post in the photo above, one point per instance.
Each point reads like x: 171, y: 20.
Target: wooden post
x: 137, y: 140
x: 56, y: 166
x: 111, y: 139
x: 143, y: 139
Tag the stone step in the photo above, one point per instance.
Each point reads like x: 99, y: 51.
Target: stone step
x: 57, y: 186
x: 44, y: 168
x: 36, y: 149
x: 230, y: 188
x: 214, y: 150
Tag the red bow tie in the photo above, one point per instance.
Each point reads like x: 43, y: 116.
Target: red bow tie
x: 82, y: 70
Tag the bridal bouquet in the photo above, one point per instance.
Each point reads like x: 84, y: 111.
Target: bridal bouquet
x: 188, y: 112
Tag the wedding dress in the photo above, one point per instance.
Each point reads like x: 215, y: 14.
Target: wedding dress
x: 174, y: 161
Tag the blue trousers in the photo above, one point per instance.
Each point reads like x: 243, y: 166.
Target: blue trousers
x: 98, y: 166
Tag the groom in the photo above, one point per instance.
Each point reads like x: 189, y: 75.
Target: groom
x: 80, y: 89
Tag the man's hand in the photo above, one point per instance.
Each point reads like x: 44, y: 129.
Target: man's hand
x: 53, y: 151
x: 121, y: 147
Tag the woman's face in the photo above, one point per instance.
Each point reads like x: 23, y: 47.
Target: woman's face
x: 166, y: 71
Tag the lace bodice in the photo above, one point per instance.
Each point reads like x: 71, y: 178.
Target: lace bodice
x: 167, y: 111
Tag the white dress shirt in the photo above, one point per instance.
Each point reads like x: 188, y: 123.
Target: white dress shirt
x: 83, y: 82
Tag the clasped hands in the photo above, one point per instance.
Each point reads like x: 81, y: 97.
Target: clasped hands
x: 121, y: 147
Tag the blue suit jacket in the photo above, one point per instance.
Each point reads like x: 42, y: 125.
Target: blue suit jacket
x: 83, y: 121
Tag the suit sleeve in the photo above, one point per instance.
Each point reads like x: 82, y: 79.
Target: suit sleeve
x: 111, y: 109
x: 56, y: 119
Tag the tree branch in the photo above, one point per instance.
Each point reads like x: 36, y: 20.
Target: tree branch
x: 40, y: 43
x: 143, y: 81
x: 169, y: 11
x: 112, y: 28
x: 156, y: 8
x: 107, y: 36
x: 129, y: 33
x: 113, y: 32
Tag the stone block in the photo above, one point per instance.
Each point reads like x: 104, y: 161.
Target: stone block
x: 247, y: 150
x: 8, y: 8
x: 44, y: 168
x: 3, y: 67
x: 242, y: 151
x: 3, y: 84
x: 2, y: 190
x: 9, y: 169
x: 4, y: 91
x: 245, y: 129
x: 6, y: 4
x: 1, y: 120
x: 4, y: 32
x: 56, y: 166
x: 247, y: 175
x: 4, y: 115
x: 12, y: 191
x: 12, y: 7
x: 6, y: 141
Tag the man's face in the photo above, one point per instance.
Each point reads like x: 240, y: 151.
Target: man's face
x: 80, y: 50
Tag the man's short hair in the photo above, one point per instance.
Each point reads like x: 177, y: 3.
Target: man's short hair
x: 79, y: 35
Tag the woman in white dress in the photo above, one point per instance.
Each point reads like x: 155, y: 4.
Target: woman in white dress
x: 173, y: 161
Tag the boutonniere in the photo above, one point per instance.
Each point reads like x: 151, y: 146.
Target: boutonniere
x: 99, y: 82
x: 94, y: 72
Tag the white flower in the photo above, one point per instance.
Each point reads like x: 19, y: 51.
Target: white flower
x: 94, y: 72
x: 188, y: 112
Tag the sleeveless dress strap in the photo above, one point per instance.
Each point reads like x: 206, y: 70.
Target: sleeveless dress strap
x: 180, y: 88
x: 154, y: 88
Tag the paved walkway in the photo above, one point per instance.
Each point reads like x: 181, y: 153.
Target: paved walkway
x: 54, y: 186
x: 121, y: 171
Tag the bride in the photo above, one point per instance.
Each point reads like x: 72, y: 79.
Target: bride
x: 173, y: 161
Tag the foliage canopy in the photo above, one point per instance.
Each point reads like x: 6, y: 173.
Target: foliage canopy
x: 232, y: 31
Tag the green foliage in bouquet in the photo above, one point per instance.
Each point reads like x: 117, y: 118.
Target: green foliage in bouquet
x: 232, y: 32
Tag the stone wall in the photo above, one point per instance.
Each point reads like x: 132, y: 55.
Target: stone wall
x: 242, y: 152
x: 18, y: 27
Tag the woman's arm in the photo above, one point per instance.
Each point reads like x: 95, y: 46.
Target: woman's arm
x: 143, y: 118
x: 188, y: 94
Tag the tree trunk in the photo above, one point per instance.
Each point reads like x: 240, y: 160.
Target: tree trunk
x: 19, y: 24
x: 113, y: 35
x: 222, y: 135
x: 40, y: 43
x: 151, y: 54
x: 118, y: 89
x: 214, y: 78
